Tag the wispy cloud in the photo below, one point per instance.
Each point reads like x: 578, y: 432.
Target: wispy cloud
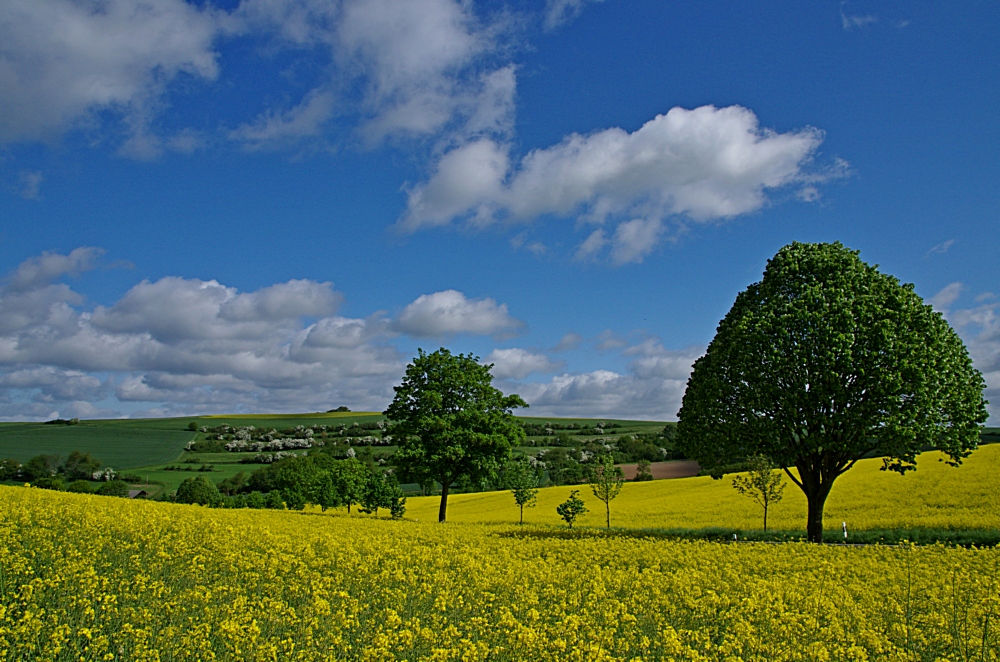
x: 941, y: 248
x: 851, y: 21
x: 948, y: 295
x: 558, y: 12
x: 29, y: 184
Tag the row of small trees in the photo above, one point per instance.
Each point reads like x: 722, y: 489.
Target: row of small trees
x: 317, y: 479
x: 761, y: 483
x: 46, y: 468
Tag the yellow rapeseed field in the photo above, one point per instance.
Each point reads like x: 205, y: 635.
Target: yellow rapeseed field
x: 934, y: 496
x: 97, y: 578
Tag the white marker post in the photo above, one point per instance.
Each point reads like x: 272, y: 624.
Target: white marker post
x: 845, y: 531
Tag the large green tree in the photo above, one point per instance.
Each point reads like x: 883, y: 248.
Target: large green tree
x: 450, y: 422
x: 827, y: 360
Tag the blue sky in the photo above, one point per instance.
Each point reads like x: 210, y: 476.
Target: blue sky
x: 269, y: 205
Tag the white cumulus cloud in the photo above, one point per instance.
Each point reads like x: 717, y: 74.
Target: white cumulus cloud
x: 184, y: 346
x: 450, y: 312
x: 516, y: 363
x: 704, y: 164
x: 61, y: 61
x: 651, y: 388
x: 397, y: 68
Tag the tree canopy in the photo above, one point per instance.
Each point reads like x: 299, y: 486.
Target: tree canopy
x: 606, y: 481
x: 827, y: 360
x: 450, y: 422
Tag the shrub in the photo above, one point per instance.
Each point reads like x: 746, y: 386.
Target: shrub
x: 200, y: 490
x: 80, y: 487
x: 118, y: 488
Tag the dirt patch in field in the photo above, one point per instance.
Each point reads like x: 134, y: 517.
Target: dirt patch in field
x: 673, y: 469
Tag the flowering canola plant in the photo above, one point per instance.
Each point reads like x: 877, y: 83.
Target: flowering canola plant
x: 84, y: 577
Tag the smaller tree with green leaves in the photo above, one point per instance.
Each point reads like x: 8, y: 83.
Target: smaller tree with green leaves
x: 450, y: 423
x: 761, y: 483
x: 522, y: 480
x: 80, y: 466
x: 116, y: 488
x: 256, y: 500
x: 10, y: 469
x: 377, y: 494
x: 643, y: 472
x: 397, y: 502
x: 606, y: 482
x: 230, y: 486
x: 571, y: 508
x: 80, y: 487
x: 40, y: 466
x: 325, y: 492
x: 273, y: 500
x: 350, y: 477
x: 198, y: 489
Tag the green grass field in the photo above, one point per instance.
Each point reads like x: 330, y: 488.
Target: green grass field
x: 281, y: 421
x: 122, y: 444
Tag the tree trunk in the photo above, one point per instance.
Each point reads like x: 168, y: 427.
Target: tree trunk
x: 817, y: 500
x: 607, y: 512
x: 522, y: 514
x: 765, y: 518
x: 443, y: 510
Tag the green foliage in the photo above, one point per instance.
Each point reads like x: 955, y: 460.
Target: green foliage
x: 606, y: 482
x: 207, y: 446
x: 256, y: 500
x: 116, y: 488
x: 383, y: 491
x: 522, y: 480
x: 762, y: 484
x: 234, y: 484
x: 824, y: 361
x: 349, y: 479
x: 571, y: 508
x: 325, y: 493
x: 273, y: 500
x: 80, y: 466
x: 200, y: 490
x: 450, y: 422
x: 642, y: 471
x: 193, y: 426
x: 10, y: 469
x: 80, y: 487
x: 564, y: 465
x: 40, y: 466
x: 294, y: 499
x: 51, y: 483
x: 633, y: 448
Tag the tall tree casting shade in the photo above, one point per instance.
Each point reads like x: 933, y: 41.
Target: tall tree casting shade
x: 823, y: 362
x: 449, y: 421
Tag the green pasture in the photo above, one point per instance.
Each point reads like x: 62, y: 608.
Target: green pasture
x: 122, y: 444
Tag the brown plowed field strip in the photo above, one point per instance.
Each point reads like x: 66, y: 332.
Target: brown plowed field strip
x: 673, y: 469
